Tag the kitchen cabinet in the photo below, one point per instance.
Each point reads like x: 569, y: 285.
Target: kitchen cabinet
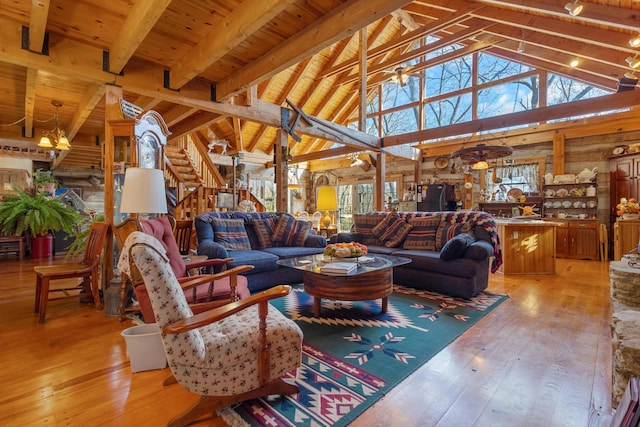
x: 528, y: 247
x: 577, y: 238
x: 505, y: 209
x: 624, y: 180
x: 626, y: 234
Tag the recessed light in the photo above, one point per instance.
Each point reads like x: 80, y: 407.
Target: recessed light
x: 574, y: 63
x: 574, y: 8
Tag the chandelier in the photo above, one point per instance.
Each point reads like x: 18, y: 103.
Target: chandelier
x: 477, y: 156
x: 56, y: 135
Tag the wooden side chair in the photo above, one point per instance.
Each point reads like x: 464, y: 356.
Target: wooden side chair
x: 87, y: 269
x: 249, y: 339
x: 183, y: 231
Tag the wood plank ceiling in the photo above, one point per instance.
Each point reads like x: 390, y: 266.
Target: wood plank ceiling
x: 225, y: 67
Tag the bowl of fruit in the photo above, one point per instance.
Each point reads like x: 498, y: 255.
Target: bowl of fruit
x: 345, y: 250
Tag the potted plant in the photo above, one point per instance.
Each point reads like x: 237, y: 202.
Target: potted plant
x: 37, y: 214
x: 44, y: 181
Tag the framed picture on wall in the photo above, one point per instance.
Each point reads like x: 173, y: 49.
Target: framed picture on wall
x: 225, y: 201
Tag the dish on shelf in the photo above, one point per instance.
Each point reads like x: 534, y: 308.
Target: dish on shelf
x: 577, y: 192
x: 557, y: 204
x: 562, y: 192
x: 515, y: 193
x: 549, y: 192
x: 592, y: 204
x: 566, y: 204
x: 548, y: 204
x: 578, y: 205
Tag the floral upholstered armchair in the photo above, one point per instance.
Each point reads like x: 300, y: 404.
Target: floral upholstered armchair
x: 229, y: 354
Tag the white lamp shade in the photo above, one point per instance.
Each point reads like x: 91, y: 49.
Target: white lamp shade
x: 143, y: 191
x: 327, y: 199
x: 45, y: 142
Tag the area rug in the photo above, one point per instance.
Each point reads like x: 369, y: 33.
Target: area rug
x: 353, y: 355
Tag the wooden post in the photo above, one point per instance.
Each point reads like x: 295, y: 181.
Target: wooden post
x: 112, y: 96
x: 558, y: 154
x: 281, y: 172
x: 379, y: 181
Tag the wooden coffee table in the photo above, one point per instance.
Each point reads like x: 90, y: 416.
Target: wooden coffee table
x: 372, y: 279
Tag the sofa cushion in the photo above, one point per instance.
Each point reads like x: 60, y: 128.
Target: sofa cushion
x: 423, y: 234
x: 392, y: 230
x: 364, y: 224
x: 456, y: 247
x: 230, y: 233
x: 290, y: 232
x: 293, y: 251
x: 430, y: 261
x: 264, y: 229
x: 261, y: 260
x: 446, y: 232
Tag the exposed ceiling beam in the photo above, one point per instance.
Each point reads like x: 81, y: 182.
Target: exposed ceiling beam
x: 332, y: 27
x: 139, y: 22
x: 38, y: 24
x: 244, y: 20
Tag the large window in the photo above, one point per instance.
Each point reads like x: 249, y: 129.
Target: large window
x: 501, y: 178
x: 473, y: 86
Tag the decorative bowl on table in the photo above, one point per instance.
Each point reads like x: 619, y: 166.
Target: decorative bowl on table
x: 345, y: 250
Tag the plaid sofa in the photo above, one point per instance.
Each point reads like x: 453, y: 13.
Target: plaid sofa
x: 469, y: 239
x: 259, y: 239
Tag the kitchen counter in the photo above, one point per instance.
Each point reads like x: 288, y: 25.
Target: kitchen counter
x: 528, y: 245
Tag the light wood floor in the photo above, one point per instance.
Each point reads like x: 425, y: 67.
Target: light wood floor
x: 543, y: 358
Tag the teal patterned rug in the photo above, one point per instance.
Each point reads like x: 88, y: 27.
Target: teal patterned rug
x: 353, y: 355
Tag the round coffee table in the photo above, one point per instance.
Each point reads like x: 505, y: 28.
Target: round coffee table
x: 371, y: 280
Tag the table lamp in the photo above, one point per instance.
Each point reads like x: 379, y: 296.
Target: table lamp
x: 143, y: 192
x: 326, y: 200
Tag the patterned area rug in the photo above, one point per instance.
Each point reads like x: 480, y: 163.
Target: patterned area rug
x: 353, y: 355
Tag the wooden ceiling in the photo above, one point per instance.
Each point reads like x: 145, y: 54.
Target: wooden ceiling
x: 225, y: 67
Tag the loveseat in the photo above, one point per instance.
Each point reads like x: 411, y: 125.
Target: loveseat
x: 450, y: 252
x: 259, y: 239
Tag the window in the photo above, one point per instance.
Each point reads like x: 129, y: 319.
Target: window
x: 524, y: 176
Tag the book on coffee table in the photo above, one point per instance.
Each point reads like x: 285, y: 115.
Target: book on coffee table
x: 339, y: 267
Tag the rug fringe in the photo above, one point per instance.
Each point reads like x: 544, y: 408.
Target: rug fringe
x: 232, y: 418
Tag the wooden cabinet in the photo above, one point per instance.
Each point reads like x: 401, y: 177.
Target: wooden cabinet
x: 527, y: 246
x: 626, y: 234
x: 577, y: 239
x: 624, y: 180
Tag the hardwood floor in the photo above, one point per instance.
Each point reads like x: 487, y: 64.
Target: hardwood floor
x: 543, y: 358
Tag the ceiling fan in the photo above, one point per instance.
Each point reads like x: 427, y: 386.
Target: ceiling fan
x: 401, y: 74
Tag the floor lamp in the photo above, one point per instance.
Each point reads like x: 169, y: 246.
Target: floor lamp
x: 326, y: 200
x: 143, y: 192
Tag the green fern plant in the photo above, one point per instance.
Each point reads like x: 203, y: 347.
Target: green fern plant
x: 36, y: 213
x: 81, y: 235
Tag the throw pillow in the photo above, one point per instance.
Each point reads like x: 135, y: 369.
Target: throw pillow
x: 230, y: 233
x: 290, y: 232
x: 446, y: 232
x: 392, y: 230
x: 423, y: 234
x: 264, y: 229
x: 456, y: 247
x: 363, y: 224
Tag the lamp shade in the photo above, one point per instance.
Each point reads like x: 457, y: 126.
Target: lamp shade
x: 327, y: 199
x: 143, y: 191
x: 480, y: 165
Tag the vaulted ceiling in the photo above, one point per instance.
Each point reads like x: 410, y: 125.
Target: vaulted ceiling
x: 224, y: 68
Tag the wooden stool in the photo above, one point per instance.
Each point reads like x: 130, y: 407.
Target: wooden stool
x: 604, y: 242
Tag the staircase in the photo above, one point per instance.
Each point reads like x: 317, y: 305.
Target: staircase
x: 193, y: 196
x: 182, y: 167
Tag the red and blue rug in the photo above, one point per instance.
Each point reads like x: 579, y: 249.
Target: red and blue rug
x: 353, y: 355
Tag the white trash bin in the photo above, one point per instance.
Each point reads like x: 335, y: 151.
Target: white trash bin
x: 144, y: 347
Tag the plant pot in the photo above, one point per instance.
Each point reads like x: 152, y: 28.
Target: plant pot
x: 630, y: 216
x: 42, y: 246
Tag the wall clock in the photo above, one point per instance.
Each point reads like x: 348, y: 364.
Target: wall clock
x: 149, y: 150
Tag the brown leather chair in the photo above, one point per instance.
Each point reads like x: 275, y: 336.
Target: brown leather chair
x: 87, y: 269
